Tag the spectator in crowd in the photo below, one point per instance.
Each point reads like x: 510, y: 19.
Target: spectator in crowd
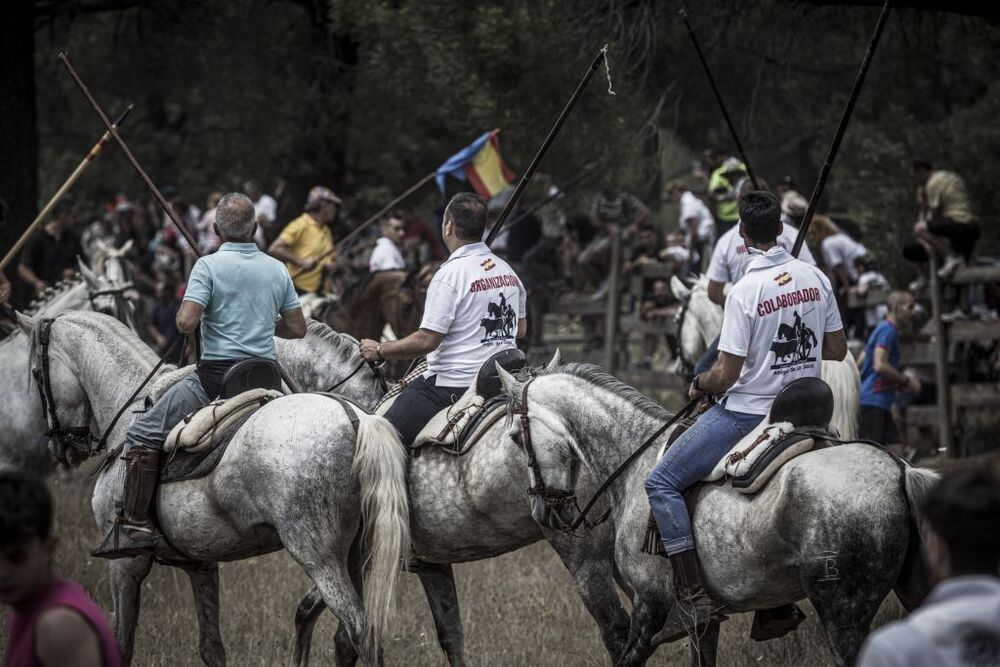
x: 946, y: 223
x: 870, y: 279
x: 784, y: 187
x: 958, y: 624
x: 208, y: 239
x: 5, y: 290
x: 266, y: 211
x: 725, y: 177
x: 837, y: 250
x: 162, y: 327
x: 422, y: 242
x: 306, y: 243
x: 644, y: 249
x: 676, y: 253
x: 793, y: 208
x: 695, y: 222
x: 659, y: 307
x: 50, y: 255
x: 53, y: 623
x: 881, y: 372
x: 386, y: 255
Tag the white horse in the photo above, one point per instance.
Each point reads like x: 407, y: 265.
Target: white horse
x: 20, y: 407
x: 295, y: 475
x: 835, y: 525
x: 699, y: 323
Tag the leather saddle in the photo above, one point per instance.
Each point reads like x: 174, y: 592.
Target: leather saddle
x: 253, y: 373
x: 459, y: 426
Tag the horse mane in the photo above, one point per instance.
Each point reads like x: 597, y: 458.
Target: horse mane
x: 345, y: 343
x: 601, y: 379
x: 59, y: 290
x: 95, y: 321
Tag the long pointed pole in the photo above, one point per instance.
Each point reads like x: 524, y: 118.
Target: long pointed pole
x: 149, y: 183
x: 841, y: 129
x: 543, y: 149
x: 718, y: 98
x: 554, y: 197
x: 63, y: 189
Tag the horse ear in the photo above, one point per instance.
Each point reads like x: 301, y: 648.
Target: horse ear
x: 102, y: 246
x: 124, y: 250
x: 555, y: 361
x: 511, y: 385
x: 681, y: 291
x: 26, y: 322
x: 87, y: 274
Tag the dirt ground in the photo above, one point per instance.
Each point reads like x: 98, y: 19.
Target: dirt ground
x: 520, y: 609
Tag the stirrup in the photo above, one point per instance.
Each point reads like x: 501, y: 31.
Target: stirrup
x: 777, y: 622
x: 679, y: 625
x: 127, y: 541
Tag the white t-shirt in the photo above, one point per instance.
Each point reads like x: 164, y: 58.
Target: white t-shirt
x: 692, y: 207
x: 842, y: 249
x: 267, y: 208
x: 386, y: 257
x: 776, y: 317
x: 730, y: 258
x: 475, y: 300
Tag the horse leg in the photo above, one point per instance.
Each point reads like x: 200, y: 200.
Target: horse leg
x: 593, y: 572
x: 338, y: 592
x: 705, y: 647
x: 438, y: 581
x: 647, y: 619
x: 306, y: 614
x: 205, y: 586
x: 127, y: 575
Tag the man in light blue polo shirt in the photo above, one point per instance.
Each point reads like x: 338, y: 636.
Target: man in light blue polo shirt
x: 242, y: 298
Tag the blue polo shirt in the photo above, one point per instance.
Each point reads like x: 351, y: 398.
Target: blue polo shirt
x: 876, y: 391
x: 243, y: 292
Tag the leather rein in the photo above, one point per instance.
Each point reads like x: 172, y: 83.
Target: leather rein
x: 376, y: 369
x: 555, y: 498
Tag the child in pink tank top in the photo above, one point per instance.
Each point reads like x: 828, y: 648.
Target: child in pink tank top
x: 54, y: 621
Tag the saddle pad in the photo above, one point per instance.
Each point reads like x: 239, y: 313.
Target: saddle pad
x: 196, y: 431
x: 185, y: 465
x: 165, y: 380
x: 774, y: 455
x: 474, y: 429
x: 395, y: 390
x: 445, y: 427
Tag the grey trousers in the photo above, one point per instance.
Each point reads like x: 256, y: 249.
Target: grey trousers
x: 151, y: 428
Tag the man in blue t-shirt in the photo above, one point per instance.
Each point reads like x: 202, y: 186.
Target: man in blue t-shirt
x: 881, y: 376
x: 242, y: 298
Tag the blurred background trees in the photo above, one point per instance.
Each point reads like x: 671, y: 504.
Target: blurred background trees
x: 366, y: 96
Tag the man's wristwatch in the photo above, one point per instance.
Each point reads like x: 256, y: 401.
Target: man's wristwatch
x: 694, y: 383
x: 378, y: 351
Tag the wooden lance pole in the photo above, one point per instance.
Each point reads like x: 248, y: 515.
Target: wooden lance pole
x: 841, y: 129
x: 149, y: 183
x: 718, y: 98
x: 63, y: 189
x: 543, y: 149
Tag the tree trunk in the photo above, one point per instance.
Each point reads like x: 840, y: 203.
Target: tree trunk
x: 18, y: 122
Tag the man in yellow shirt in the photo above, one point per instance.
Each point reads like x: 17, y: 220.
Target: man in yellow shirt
x: 306, y: 242
x: 946, y: 223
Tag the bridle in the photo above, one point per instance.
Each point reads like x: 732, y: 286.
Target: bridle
x: 554, y: 498
x: 377, y: 371
x: 76, y: 439
x: 111, y: 291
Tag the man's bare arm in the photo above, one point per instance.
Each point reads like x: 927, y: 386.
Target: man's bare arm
x: 64, y: 637
x: 291, y: 324
x: 834, y: 345
x: 188, y: 317
x: 717, y: 293
x: 417, y: 344
x: 722, y: 375
x: 522, y: 327
x: 280, y: 250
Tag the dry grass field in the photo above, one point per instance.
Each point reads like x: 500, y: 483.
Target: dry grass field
x: 520, y: 609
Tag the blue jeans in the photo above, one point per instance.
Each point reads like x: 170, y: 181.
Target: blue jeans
x: 708, y: 359
x: 692, y: 456
x: 151, y: 428
x: 420, y: 401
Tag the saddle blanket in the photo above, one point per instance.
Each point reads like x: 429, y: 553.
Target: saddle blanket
x: 197, y: 431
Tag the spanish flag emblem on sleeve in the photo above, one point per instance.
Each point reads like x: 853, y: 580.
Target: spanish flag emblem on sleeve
x: 480, y: 164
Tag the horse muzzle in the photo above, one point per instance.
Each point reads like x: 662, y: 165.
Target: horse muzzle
x: 554, y: 513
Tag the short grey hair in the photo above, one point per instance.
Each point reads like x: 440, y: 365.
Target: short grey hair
x: 235, y: 217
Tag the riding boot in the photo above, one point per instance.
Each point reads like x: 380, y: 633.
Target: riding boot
x: 693, y: 609
x: 133, y: 533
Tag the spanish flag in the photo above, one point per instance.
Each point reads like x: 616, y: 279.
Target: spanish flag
x: 480, y: 164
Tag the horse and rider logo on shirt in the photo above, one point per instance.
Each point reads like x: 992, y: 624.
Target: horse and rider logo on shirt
x: 500, y: 322
x: 793, y: 344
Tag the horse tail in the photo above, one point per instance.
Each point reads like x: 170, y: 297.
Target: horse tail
x: 913, y: 582
x: 845, y: 383
x: 380, y: 468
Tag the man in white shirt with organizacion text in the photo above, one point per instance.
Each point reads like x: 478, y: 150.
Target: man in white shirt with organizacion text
x: 781, y: 321
x: 386, y: 255
x: 475, y: 308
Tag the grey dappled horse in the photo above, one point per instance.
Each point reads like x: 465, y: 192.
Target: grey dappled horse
x: 834, y: 525
x: 700, y: 322
x: 22, y: 443
x: 295, y: 475
x: 473, y: 507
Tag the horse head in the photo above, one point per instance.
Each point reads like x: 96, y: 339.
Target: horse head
x: 64, y: 399
x: 109, y: 291
x: 549, y: 445
x: 699, y: 320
